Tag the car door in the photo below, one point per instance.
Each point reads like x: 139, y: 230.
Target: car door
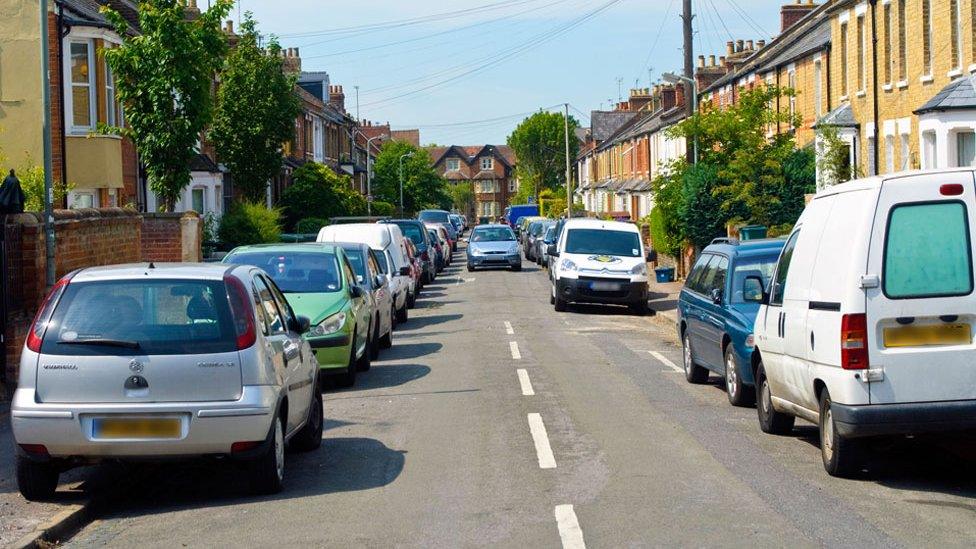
x: 713, y: 314
x: 298, y: 354
x: 688, y: 306
x: 771, y: 339
x: 384, y: 298
x: 696, y: 304
x: 360, y: 305
x: 287, y: 355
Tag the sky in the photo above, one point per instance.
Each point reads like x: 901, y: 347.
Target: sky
x: 466, y: 72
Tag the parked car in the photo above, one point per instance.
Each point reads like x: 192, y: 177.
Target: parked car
x: 522, y: 227
x: 458, y: 223
x: 416, y: 271
x: 416, y: 232
x: 440, y: 261
x: 145, y: 362
x: 867, y: 327
x: 717, y: 309
x: 514, y: 213
x: 599, y: 262
x: 445, y: 238
x: 533, y: 232
x: 319, y: 282
x: 542, y: 244
x: 369, y: 275
x: 493, y: 246
x: 388, y: 241
x: 443, y: 217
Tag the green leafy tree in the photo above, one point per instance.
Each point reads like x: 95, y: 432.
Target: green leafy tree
x: 250, y: 223
x: 164, y: 79
x: 317, y: 191
x: 835, y: 159
x: 539, y: 143
x: 462, y: 196
x: 255, y: 112
x: 423, y: 187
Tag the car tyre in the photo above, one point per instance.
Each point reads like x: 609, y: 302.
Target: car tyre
x: 842, y: 457
x: 770, y: 421
x: 268, y: 471
x: 739, y: 393
x: 517, y: 268
x: 411, y: 300
x: 36, y: 481
x: 364, y: 362
x: 402, y: 315
x: 348, y: 378
x: 693, y: 372
x: 310, y: 436
x: 639, y: 308
x: 559, y: 304
x: 374, y: 342
x: 470, y: 268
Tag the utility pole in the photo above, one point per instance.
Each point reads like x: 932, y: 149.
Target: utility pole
x: 358, y: 119
x: 48, y: 161
x: 689, y: 69
x: 569, y: 173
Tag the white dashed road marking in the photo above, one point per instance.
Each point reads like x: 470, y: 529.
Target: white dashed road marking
x: 508, y: 328
x: 569, y: 529
x: 525, y: 382
x: 664, y: 360
x: 541, y: 439
x: 513, y: 346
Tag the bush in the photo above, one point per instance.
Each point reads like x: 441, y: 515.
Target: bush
x: 249, y: 223
x: 32, y: 183
x: 310, y: 225
x: 381, y: 208
x: 317, y: 191
x: 664, y: 237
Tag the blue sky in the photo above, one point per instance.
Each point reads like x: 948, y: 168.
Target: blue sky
x: 495, y: 61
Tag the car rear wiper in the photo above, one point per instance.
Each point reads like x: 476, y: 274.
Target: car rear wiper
x: 101, y: 341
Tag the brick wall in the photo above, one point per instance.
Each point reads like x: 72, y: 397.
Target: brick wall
x: 161, y: 238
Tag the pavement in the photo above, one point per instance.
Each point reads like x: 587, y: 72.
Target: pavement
x: 495, y: 421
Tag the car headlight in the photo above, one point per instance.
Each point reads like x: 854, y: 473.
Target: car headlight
x: 513, y: 250
x: 639, y: 269
x: 330, y: 325
x: 475, y: 251
x: 567, y: 265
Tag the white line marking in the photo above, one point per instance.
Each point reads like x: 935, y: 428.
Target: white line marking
x: 458, y: 281
x: 541, y: 439
x: 508, y: 328
x: 513, y: 346
x: 470, y: 279
x: 569, y: 529
x: 524, y: 382
x: 664, y: 360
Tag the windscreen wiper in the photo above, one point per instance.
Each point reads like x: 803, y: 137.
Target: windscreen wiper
x: 101, y: 341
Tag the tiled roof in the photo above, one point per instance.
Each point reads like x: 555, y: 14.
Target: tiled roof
x: 469, y: 153
x: 203, y: 163
x: 407, y: 136
x: 86, y: 12
x: 603, y: 124
x: 841, y: 117
x: 958, y: 94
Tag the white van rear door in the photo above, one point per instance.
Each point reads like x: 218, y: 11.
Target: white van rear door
x: 922, y: 313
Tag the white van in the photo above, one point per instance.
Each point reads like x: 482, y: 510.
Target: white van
x: 598, y: 261
x: 388, y: 240
x: 868, y: 327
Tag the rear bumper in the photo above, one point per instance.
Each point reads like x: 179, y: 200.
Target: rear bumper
x: 495, y: 260
x: 575, y: 290
x: 904, y: 419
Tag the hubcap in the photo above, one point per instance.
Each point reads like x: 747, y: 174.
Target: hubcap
x: 687, y: 355
x: 279, y: 450
x: 766, y: 398
x: 731, y: 378
x: 827, y: 435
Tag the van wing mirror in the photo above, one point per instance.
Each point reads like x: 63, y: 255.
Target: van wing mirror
x: 551, y: 250
x: 651, y: 256
x: 753, y: 290
x: 405, y: 271
x: 302, y: 324
x: 379, y: 281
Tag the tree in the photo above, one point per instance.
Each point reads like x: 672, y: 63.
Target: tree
x: 255, y: 112
x: 835, y: 159
x: 317, y: 191
x: 539, y: 143
x: 462, y: 196
x: 164, y: 79
x: 423, y: 187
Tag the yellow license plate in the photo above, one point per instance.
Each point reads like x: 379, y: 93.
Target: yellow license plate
x: 137, y: 428
x: 934, y: 334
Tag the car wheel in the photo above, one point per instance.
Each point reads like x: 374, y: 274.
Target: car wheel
x: 411, y: 300
x: 268, y: 471
x: 348, y: 378
x: 693, y: 372
x: 387, y: 340
x: 374, y: 347
x: 639, y: 308
x: 36, y: 481
x: 310, y: 437
x: 770, y: 421
x: 842, y: 457
x: 402, y: 315
x: 559, y: 304
x: 517, y: 267
x: 470, y: 268
x: 552, y: 295
x: 739, y: 393
x: 364, y: 362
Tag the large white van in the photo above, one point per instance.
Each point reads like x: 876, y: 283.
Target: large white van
x: 868, y: 326
x: 598, y: 261
x: 388, y: 240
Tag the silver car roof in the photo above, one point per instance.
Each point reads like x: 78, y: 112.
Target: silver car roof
x: 190, y: 271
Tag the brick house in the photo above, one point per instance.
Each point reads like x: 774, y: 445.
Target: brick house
x: 489, y: 169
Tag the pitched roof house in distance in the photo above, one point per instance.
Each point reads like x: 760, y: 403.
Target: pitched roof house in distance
x: 490, y: 169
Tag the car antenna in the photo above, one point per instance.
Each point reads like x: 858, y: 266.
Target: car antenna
x: 152, y: 265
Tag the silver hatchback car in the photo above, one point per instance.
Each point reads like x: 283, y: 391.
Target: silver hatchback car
x: 163, y: 361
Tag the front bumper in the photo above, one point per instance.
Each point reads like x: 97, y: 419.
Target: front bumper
x: 495, y: 260
x: 904, y: 419
x: 580, y: 290
x: 207, y: 428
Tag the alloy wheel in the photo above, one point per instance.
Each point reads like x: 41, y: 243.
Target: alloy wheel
x: 731, y: 376
x: 279, y: 450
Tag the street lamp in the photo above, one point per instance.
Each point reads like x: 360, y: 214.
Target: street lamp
x: 369, y: 172
x: 675, y: 79
x: 402, y: 156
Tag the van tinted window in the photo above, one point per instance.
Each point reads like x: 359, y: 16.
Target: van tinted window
x: 603, y: 242
x: 927, y: 251
x: 696, y: 272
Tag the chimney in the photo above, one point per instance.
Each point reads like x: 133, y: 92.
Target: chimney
x: 789, y: 14
x: 229, y: 29
x: 337, y: 99
x: 729, y: 47
x: 292, y: 64
x: 639, y: 98
x: 739, y: 44
x: 668, y: 99
x: 711, y: 60
x: 760, y: 44
x: 748, y: 45
x: 701, y: 61
x: 721, y: 61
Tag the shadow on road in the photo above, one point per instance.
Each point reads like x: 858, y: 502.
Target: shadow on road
x: 383, y: 376
x: 423, y: 322
x: 403, y: 351
x: 600, y: 310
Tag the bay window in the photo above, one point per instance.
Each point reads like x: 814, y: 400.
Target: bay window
x: 82, y: 82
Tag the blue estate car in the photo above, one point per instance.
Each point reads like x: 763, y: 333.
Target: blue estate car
x: 717, y: 308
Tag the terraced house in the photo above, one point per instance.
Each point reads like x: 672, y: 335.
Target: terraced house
x: 489, y: 169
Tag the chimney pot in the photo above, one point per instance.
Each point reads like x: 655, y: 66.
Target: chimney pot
x: 760, y: 44
x: 749, y: 45
x: 739, y: 44
x: 729, y: 47
x: 721, y: 60
x: 296, y: 53
x: 711, y: 60
x: 701, y: 61
x: 193, y: 4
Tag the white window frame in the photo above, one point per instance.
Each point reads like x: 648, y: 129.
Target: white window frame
x: 487, y: 164
x: 453, y: 164
x: 512, y: 186
x: 111, y: 109
x: 203, y: 194
x: 905, y: 150
x: 817, y: 87
x: 69, y: 85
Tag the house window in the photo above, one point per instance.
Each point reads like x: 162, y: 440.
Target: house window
x: 887, y: 43
x: 862, y: 66
x: 905, y: 153
x: 512, y: 186
x: 817, y: 89
x: 955, y: 32
x: 791, y: 82
x: 927, y: 37
x: 197, y: 199
x: 843, y: 56
x: 83, y: 200
x: 889, y: 153
x: 217, y: 197
x: 928, y: 151
x: 487, y: 163
x: 453, y: 164
x: 966, y: 149
x: 111, y: 105
x: 82, y: 86
x: 902, y: 42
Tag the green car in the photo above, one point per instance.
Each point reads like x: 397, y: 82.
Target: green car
x: 319, y: 283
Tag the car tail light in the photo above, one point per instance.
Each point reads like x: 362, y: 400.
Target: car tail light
x: 36, y: 333
x: 241, y: 311
x: 244, y: 446
x: 854, y: 342
x: 34, y: 449
x: 951, y: 189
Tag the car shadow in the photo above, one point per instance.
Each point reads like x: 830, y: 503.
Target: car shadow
x: 419, y: 323
x: 407, y: 351
x: 600, y: 310
x: 382, y: 376
x: 424, y: 294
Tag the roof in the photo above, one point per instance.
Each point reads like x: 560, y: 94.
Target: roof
x: 203, y: 163
x: 470, y: 153
x: 744, y: 247
x: 288, y: 247
x: 600, y: 224
x: 198, y: 271
x: 375, y: 235
x: 603, y: 124
x: 841, y: 117
x: 960, y: 94
x: 87, y: 13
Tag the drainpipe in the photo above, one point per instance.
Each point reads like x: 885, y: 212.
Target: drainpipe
x: 874, y: 83
x: 63, y: 31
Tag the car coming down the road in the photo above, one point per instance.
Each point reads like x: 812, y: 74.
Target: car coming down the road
x: 493, y: 246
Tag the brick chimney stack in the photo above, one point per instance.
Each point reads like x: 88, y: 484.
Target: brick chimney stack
x: 789, y: 14
x: 292, y: 63
x: 191, y: 11
x: 336, y: 98
x: 639, y: 98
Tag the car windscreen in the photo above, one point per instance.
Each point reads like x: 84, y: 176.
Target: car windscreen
x: 762, y: 267
x: 141, y: 317
x: 296, y: 272
x: 536, y: 228
x: 492, y: 234
x: 414, y: 233
x: 603, y: 242
x: 358, y: 263
x: 434, y: 216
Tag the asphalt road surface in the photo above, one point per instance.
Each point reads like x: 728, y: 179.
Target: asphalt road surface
x: 496, y: 421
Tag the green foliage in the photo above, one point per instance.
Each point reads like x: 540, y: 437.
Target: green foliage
x: 423, y: 187
x: 210, y: 227
x: 835, y: 159
x: 462, y: 196
x: 310, y: 225
x: 381, y: 209
x: 317, y: 191
x: 250, y: 223
x: 539, y: 143
x: 255, y: 113
x: 32, y: 183
x: 699, y: 205
x: 664, y: 234
x: 164, y: 77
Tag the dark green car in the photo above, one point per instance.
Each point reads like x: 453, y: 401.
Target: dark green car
x: 319, y: 283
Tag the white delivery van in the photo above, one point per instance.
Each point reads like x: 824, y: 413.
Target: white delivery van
x: 380, y: 237
x: 598, y: 261
x: 868, y: 327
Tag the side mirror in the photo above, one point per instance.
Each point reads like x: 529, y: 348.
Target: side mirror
x: 551, y: 250
x: 405, y: 271
x: 651, y: 255
x: 356, y: 291
x: 379, y: 281
x: 359, y: 279
x: 302, y: 324
x: 716, y: 296
x: 753, y: 290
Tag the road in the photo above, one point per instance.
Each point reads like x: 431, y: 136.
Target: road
x: 496, y: 421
